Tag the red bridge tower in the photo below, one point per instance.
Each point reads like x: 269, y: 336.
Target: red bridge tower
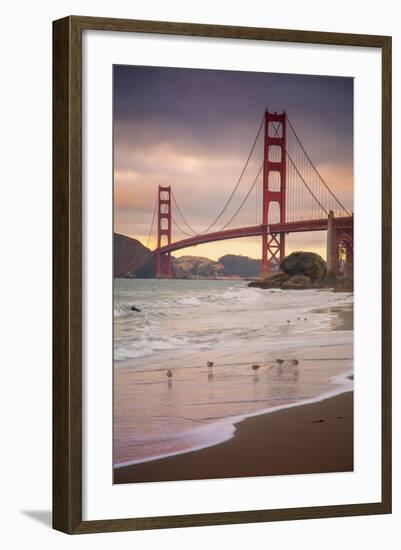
x: 163, y: 259
x: 274, y: 188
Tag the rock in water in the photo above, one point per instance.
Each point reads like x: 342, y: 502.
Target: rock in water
x: 301, y: 270
x: 270, y: 280
x: 309, y: 264
x: 297, y: 282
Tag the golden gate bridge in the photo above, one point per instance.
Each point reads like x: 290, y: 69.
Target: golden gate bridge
x: 279, y: 191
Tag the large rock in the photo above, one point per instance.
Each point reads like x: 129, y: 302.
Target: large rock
x: 270, y: 280
x: 302, y: 270
x: 304, y: 263
x: 297, y: 282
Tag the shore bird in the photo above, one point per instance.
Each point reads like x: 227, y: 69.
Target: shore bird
x: 279, y: 361
x: 209, y: 365
x: 294, y: 362
x: 169, y: 374
x: 255, y: 367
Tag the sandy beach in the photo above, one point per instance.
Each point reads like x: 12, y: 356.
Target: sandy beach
x: 231, y: 420
x: 316, y: 437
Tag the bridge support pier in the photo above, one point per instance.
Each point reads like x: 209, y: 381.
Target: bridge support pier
x: 164, y: 267
x: 340, y: 247
x: 273, y: 247
x: 274, y: 188
x: 329, y: 243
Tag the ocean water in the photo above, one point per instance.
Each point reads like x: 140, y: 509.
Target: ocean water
x: 182, y: 324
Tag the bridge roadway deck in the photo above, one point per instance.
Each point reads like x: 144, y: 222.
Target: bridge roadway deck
x: 257, y: 230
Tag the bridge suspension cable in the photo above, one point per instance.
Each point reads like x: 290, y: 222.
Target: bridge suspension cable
x: 180, y: 228
x: 316, y: 170
x: 299, y: 174
x: 253, y: 203
x: 151, y: 225
x: 182, y: 216
x: 244, y: 199
x: 246, y: 202
x: 192, y: 232
x: 238, y: 181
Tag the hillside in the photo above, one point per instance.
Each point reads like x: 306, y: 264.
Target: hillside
x: 188, y: 267
x: 131, y: 258
x: 242, y: 266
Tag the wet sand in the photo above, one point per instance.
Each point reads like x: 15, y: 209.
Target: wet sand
x: 344, y: 317
x: 312, y: 438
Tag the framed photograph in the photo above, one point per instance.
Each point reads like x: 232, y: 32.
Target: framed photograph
x: 222, y: 274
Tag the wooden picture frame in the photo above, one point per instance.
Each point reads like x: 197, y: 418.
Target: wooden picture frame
x: 67, y: 273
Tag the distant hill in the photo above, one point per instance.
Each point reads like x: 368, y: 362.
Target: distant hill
x: 131, y: 258
x: 240, y: 265
x: 188, y: 267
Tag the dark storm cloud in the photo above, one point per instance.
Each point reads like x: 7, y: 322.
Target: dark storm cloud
x: 214, y: 105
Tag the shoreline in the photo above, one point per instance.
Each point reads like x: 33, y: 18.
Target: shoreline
x: 344, y: 316
x: 229, y: 424
x: 189, y: 444
x: 316, y: 437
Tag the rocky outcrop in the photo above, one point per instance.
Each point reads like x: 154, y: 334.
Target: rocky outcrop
x: 304, y: 263
x: 300, y: 271
x: 297, y: 282
x: 270, y: 280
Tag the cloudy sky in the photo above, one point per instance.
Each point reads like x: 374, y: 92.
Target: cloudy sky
x: 193, y: 129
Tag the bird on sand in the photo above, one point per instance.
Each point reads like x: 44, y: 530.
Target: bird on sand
x: 294, y: 361
x: 209, y: 365
x: 279, y: 361
x: 169, y: 374
x: 255, y: 367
